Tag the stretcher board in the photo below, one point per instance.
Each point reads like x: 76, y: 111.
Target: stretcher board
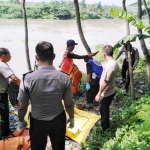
x: 84, y: 121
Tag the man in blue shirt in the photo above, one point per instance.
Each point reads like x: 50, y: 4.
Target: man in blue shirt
x: 94, y: 71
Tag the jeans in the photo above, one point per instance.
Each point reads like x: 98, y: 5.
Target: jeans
x: 56, y: 129
x: 104, y: 111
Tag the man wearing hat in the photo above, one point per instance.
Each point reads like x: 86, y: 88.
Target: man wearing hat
x: 67, y: 65
x: 68, y: 54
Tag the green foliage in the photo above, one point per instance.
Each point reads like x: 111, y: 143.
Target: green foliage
x: 54, y: 10
x: 10, y: 11
x: 83, y: 83
x: 132, y: 19
x: 130, y: 127
x: 99, y: 56
x: 130, y: 38
x: 141, y: 65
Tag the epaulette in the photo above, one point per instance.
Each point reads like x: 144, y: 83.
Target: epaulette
x: 27, y: 73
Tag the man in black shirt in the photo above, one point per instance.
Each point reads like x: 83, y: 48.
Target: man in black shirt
x: 125, y: 65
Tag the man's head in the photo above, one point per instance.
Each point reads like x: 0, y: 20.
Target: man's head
x: 4, y: 55
x: 71, y: 44
x: 108, y: 51
x: 45, y: 52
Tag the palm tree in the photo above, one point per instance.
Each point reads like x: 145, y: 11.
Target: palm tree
x: 80, y: 28
x: 147, y: 10
x: 142, y: 42
x: 26, y: 35
x: 129, y: 55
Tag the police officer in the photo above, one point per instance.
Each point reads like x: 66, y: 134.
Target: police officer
x: 46, y: 88
x: 6, y: 73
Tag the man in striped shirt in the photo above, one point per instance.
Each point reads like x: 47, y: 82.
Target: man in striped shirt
x: 46, y: 88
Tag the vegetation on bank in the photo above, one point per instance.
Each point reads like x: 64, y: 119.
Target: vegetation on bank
x: 54, y: 10
x: 130, y: 123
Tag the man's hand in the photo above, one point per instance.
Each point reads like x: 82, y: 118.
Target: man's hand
x: 97, y: 98
x: 87, y: 86
x: 22, y: 125
x: 93, y: 54
x: 71, y: 120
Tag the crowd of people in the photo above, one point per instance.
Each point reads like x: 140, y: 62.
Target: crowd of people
x: 46, y: 87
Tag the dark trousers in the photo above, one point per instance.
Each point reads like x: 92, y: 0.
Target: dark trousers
x: 104, y: 111
x: 56, y: 129
x: 125, y: 71
x: 90, y: 94
x: 4, y: 115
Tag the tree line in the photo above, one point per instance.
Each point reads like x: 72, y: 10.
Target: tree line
x: 54, y: 10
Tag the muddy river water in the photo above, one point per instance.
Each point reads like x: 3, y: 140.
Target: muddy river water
x: 57, y: 32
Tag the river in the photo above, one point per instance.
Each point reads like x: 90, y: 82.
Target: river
x: 57, y: 32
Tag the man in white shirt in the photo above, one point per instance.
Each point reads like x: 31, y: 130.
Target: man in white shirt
x: 5, y: 74
x: 107, y: 85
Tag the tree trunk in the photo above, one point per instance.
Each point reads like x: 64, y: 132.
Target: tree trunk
x: 26, y: 35
x: 147, y: 10
x: 80, y: 28
x: 129, y: 56
x: 142, y: 42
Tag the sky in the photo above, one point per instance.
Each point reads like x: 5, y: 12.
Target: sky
x: 103, y: 2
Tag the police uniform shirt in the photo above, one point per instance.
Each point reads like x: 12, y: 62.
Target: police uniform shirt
x: 47, y: 88
x: 5, y: 73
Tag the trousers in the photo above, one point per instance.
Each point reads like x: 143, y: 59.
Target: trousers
x: 104, y: 111
x: 4, y: 114
x: 125, y: 72
x: 56, y: 129
x: 90, y: 94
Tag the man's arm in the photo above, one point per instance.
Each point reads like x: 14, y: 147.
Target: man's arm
x: 101, y: 89
x: 89, y: 72
x: 15, y: 79
x: 119, y: 53
x: 75, y: 56
x: 22, y: 110
x: 69, y: 106
x: 68, y: 102
x: 23, y: 100
x: 136, y: 59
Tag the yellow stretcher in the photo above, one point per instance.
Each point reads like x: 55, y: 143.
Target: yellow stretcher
x: 84, y: 121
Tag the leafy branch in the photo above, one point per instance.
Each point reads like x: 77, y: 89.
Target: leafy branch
x: 130, y: 38
x: 132, y: 19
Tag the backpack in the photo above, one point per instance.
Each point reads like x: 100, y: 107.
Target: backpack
x: 18, y: 140
x: 13, y: 91
x: 75, y: 77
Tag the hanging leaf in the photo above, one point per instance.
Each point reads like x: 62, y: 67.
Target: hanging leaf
x: 132, y: 19
x: 130, y: 38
